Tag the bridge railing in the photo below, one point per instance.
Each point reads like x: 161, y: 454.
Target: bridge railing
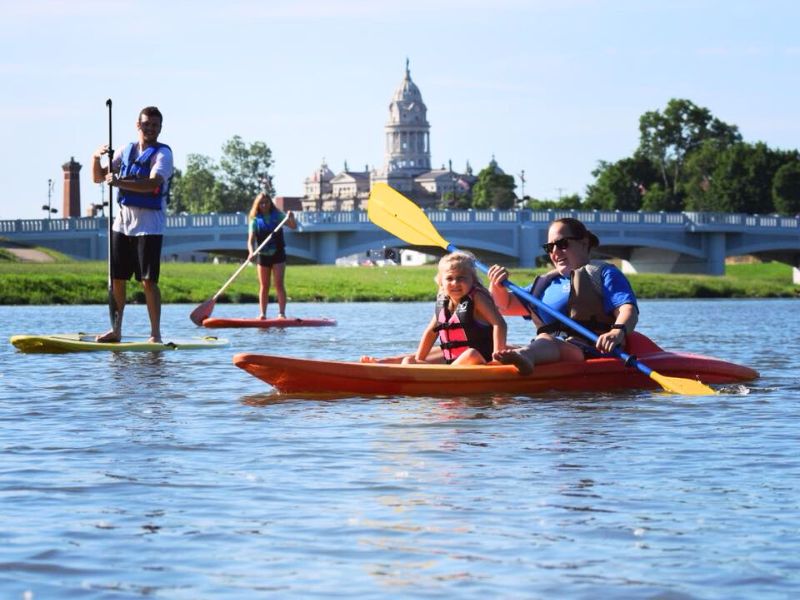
x: 312, y: 218
x: 742, y: 220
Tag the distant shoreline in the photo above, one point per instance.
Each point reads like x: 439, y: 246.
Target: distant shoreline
x: 74, y: 282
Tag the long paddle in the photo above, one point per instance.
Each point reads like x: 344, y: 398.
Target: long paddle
x: 398, y: 215
x: 113, y: 310
x: 202, y: 312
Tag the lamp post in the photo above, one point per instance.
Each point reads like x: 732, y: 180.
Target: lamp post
x: 46, y: 207
x: 99, y: 208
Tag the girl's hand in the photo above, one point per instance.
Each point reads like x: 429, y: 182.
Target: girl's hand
x: 497, y: 275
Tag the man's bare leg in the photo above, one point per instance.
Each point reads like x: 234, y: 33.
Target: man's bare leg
x: 152, y: 296
x: 118, y: 290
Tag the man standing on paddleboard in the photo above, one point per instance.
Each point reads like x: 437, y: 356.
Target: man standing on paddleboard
x: 141, y: 171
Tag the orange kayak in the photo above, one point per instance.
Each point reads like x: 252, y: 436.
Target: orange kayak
x: 267, y: 323
x: 293, y: 375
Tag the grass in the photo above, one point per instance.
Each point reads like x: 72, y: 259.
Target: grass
x: 73, y: 282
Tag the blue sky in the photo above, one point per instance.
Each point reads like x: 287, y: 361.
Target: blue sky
x: 548, y: 87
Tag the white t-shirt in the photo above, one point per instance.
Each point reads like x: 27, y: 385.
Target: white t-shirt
x: 135, y: 220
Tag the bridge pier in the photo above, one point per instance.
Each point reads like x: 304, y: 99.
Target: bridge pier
x: 530, y: 241
x: 655, y: 260
x: 327, y: 245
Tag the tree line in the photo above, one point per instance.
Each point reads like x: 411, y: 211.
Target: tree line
x: 687, y: 160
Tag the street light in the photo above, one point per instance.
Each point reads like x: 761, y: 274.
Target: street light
x: 99, y: 208
x: 46, y: 207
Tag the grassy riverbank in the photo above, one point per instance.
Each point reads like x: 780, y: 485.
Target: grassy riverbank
x: 72, y: 282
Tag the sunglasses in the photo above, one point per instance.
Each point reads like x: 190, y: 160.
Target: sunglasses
x: 561, y: 244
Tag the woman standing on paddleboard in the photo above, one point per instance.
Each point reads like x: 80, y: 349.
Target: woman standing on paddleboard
x: 597, y: 296
x: 266, y: 220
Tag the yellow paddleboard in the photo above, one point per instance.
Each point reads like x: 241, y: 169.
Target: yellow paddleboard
x: 84, y: 342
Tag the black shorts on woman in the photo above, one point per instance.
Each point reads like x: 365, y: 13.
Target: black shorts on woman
x: 268, y: 260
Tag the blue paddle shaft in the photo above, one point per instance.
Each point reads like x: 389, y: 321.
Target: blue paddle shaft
x: 587, y: 333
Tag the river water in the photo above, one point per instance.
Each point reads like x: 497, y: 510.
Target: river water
x: 179, y: 476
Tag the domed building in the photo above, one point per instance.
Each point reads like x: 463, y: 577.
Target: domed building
x: 407, y: 151
x: 406, y: 164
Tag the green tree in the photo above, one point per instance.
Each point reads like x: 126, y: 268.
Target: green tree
x: 494, y: 189
x: 244, y: 171
x: 699, y: 168
x: 742, y: 179
x: 621, y: 185
x: 176, y: 201
x: 197, y: 190
x: 455, y: 200
x: 573, y: 201
x: 786, y: 188
x: 668, y: 138
x: 656, y: 198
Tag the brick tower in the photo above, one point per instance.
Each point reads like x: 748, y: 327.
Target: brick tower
x: 72, y: 189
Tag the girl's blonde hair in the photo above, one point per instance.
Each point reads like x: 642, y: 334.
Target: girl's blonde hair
x: 460, y: 260
x: 255, y: 208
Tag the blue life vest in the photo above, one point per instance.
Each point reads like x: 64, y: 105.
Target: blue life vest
x: 140, y: 169
x: 263, y: 227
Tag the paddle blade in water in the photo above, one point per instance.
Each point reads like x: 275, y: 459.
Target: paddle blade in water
x: 398, y: 215
x: 680, y: 385
x: 202, y: 312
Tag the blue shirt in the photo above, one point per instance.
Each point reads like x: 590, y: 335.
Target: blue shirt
x: 616, y: 292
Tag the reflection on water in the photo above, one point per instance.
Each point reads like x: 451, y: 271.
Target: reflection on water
x: 177, y: 475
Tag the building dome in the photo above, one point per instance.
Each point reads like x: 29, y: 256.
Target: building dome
x: 407, y: 107
x: 407, y: 92
x: 495, y: 167
x: 323, y: 172
x: 407, y: 149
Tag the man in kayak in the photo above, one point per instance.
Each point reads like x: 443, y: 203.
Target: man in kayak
x: 141, y: 172
x: 597, y: 296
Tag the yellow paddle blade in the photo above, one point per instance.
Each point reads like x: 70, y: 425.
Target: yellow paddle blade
x: 680, y: 385
x: 398, y: 215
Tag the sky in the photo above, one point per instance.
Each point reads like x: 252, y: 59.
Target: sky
x: 546, y: 87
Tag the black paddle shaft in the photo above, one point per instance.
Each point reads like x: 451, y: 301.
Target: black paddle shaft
x: 110, y: 189
x: 113, y: 309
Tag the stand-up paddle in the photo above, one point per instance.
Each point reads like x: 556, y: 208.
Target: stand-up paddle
x: 113, y: 310
x: 203, y: 311
x: 398, y: 215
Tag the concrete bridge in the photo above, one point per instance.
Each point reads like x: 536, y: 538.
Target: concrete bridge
x: 686, y: 242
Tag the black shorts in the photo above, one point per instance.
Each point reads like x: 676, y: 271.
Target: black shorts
x: 138, y: 255
x: 589, y: 350
x: 272, y: 259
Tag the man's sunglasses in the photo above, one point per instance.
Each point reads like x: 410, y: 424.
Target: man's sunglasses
x: 561, y: 244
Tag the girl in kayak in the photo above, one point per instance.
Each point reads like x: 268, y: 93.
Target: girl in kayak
x: 265, y: 219
x: 466, y: 322
x: 598, y: 296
